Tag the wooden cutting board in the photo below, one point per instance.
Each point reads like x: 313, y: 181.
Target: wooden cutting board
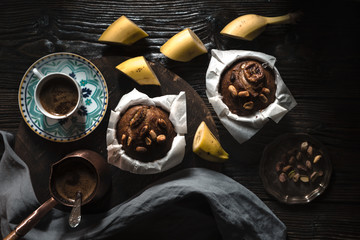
x: 40, y: 154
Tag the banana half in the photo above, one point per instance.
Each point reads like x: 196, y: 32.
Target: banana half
x: 139, y: 70
x: 183, y: 46
x: 206, y: 146
x: 123, y: 31
x: 249, y: 26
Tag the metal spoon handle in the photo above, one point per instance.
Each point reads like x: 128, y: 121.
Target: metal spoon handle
x: 75, y: 215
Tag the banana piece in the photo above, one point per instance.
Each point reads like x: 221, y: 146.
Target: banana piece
x: 183, y: 46
x: 123, y: 31
x: 139, y: 70
x: 249, y: 26
x: 206, y: 146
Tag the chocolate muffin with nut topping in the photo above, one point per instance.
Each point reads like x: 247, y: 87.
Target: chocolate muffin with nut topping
x: 247, y: 86
x: 145, y: 132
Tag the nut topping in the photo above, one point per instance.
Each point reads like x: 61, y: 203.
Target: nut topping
x: 144, y: 130
x: 161, y: 122
x: 243, y: 94
x: 129, y: 141
x: 161, y: 138
x: 248, y: 105
x: 123, y: 139
x: 152, y: 134
x: 232, y: 90
x: 138, y: 117
x: 265, y: 90
x: 263, y: 98
x: 148, y: 141
x: 141, y: 149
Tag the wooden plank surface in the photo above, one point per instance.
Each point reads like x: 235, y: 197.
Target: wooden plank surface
x: 318, y: 58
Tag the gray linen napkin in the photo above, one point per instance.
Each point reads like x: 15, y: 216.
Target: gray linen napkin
x: 190, y: 204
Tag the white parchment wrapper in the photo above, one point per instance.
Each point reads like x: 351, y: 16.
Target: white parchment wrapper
x: 176, y: 106
x: 243, y: 128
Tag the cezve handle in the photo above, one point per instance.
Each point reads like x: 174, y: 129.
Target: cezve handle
x: 26, y: 225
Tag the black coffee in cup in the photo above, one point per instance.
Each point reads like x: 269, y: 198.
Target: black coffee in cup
x: 59, y: 96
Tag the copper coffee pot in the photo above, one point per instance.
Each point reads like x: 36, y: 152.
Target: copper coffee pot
x: 82, y: 170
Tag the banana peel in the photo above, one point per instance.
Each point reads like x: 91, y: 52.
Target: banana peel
x: 249, y: 26
x: 183, y: 46
x: 122, y: 31
x: 206, y: 146
x: 139, y: 70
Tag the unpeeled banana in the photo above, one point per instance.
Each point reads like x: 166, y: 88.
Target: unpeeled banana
x: 206, y: 146
x: 249, y: 26
x: 183, y: 46
x: 123, y: 31
x: 139, y: 70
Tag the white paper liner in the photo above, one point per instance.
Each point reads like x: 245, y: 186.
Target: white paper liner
x: 243, y: 128
x: 176, y: 106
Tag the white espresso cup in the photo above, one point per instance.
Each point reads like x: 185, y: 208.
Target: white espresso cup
x: 57, y: 95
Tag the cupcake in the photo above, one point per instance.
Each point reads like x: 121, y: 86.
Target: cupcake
x: 246, y: 90
x: 147, y: 135
x: 145, y: 132
x: 247, y: 86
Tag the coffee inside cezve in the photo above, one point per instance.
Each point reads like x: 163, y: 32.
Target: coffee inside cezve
x: 59, y: 96
x: 75, y: 175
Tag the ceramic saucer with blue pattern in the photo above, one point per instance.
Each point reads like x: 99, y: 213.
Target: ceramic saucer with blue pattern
x: 94, y: 98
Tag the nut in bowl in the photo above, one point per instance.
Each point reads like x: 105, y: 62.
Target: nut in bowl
x: 295, y: 168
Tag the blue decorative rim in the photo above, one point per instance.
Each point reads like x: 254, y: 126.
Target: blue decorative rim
x: 94, y: 98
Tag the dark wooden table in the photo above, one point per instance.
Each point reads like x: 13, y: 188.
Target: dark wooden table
x: 318, y: 58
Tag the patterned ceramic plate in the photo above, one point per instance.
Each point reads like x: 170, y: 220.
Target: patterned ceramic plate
x: 94, y: 98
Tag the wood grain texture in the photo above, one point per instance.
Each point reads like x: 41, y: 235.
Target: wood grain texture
x: 318, y: 58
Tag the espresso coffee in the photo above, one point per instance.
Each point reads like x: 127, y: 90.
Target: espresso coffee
x: 73, y: 176
x: 59, y: 96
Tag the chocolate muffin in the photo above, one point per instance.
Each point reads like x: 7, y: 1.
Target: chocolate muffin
x: 247, y: 86
x: 145, y: 132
